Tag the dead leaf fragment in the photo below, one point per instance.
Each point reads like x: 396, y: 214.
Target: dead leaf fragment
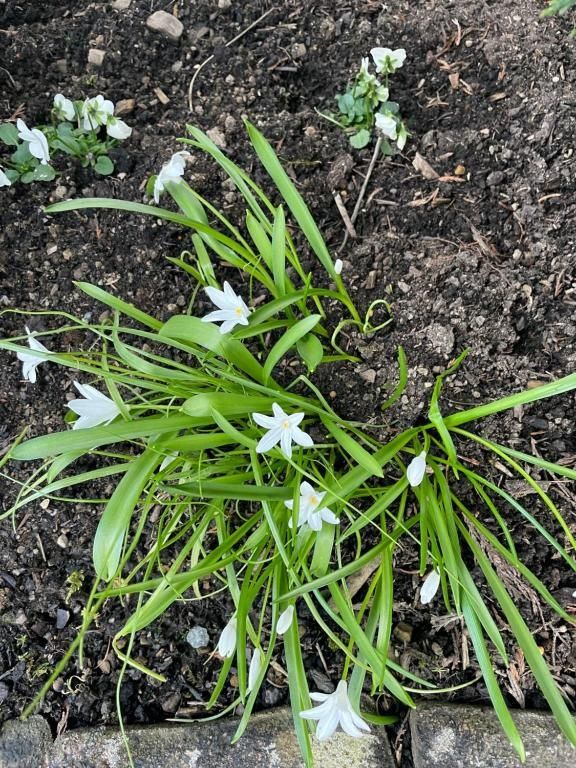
x: 424, y: 167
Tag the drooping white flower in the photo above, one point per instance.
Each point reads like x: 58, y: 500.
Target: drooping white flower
x: 94, y: 408
x: 227, y: 640
x: 37, y: 142
x: 387, y: 60
x: 173, y: 170
x: 96, y: 112
x: 334, y: 710
x: 4, y: 180
x: 429, y: 587
x: 310, y: 509
x: 64, y: 108
x: 29, y: 360
x: 232, y: 309
x: 254, y: 669
x: 338, y: 266
x: 282, y: 429
x: 117, y: 128
x: 387, y: 125
x: 416, y: 469
x: 285, y: 620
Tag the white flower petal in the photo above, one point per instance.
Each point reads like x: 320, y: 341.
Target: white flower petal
x: 338, y: 264
x: 286, y: 443
x: 327, y: 726
x: 269, y: 440
x: 429, y: 587
x: 285, y: 620
x: 4, y: 180
x: 254, y: 669
x: 387, y: 125
x: 317, y: 696
x: 348, y: 725
x: 315, y: 521
x: 329, y: 516
x: 227, y: 641
x: 278, y: 412
x: 416, y: 469
x: 218, y: 297
x: 64, y: 107
x: 118, y: 129
x: 264, y: 421
x: 306, y: 489
x: 302, y: 438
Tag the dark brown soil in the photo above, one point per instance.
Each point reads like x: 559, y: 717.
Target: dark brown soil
x: 485, y: 262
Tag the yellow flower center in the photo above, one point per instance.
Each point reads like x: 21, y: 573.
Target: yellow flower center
x: 285, y: 424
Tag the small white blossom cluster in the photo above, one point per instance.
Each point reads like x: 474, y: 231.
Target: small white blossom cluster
x: 387, y: 121
x: 92, y: 114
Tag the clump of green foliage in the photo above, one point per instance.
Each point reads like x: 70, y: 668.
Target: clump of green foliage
x: 204, y: 492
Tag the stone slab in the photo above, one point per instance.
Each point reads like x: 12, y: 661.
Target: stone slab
x: 24, y: 743
x: 458, y: 736
x: 268, y: 742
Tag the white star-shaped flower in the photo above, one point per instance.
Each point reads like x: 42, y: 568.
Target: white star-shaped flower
x: 96, y: 112
x: 29, y: 360
x: 227, y: 640
x: 387, y: 125
x: 94, y: 408
x: 64, y: 108
x: 37, y: 142
x: 282, y: 429
x: 387, y: 60
x: 416, y: 469
x: 429, y: 587
x: 173, y: 170
x: 4, y: 180
x: 310, y: 509
x: 285, y: 620
x: 334, y: 710
x: 231, y: 308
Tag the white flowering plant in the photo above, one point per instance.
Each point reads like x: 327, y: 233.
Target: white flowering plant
x: 233, y: 474
x: 365, y: 107
x: 86, y: 130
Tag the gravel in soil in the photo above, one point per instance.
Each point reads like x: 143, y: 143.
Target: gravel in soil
x: 481, y: 256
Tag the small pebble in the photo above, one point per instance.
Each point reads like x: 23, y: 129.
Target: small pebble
x: 166, y: 24
x: 198, y: 637
x: 96, y: 57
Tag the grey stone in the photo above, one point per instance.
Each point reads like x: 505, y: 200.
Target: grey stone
x: 495, y: 178
x: 269, y: 742
x: 121, y: 5
x: 166, y: 24
x: 96, y: 57
x: 24, y: 743
x: 198, y: 637
x: 441, y: 338
x: 458, y: 736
